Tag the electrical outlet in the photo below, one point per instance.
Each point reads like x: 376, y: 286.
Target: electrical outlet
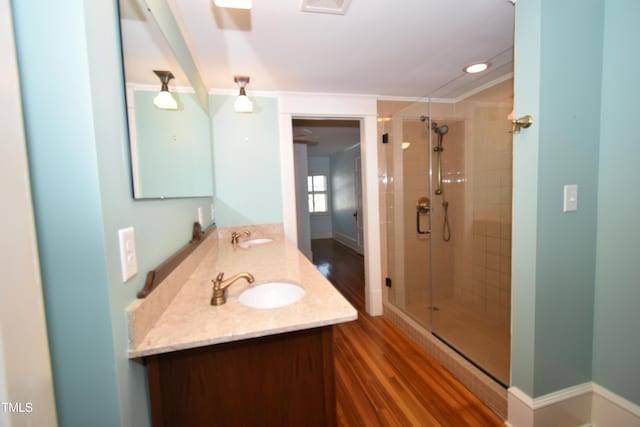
x: 128, y: 258
x: 570, y: 198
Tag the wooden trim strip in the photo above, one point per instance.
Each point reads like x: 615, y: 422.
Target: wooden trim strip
x: 154, y: 277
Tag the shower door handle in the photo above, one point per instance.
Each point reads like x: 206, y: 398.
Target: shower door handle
x: 422, y: 207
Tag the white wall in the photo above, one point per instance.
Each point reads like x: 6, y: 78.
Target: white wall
x: 304, y: 225
x: 25, y: 369
x: 343, y: 197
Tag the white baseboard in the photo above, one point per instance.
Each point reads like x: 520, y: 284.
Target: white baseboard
x: 611, y: 410
x: 587, y: 404
x: 321, y: 234
x: 562, y: 395
x: 520, y: 408
x: 346, y: 240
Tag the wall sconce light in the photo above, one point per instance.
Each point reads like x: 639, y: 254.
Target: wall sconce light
x: 233, y: 4
x: 164, y: 100
x: 243, y: 104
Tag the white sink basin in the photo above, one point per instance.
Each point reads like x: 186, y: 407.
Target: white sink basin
x: 251, y: 242
x: 271, y: 295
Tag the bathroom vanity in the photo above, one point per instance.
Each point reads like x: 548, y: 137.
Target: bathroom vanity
x: 235, y: 365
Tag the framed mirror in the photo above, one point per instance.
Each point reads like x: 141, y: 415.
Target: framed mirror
x: 170, y: 149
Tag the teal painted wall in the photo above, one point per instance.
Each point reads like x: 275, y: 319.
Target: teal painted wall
x: 65, y: 184
x: 560, y: 314
x: 343, y: 194
x: 174, y: 147
x: 568, y: 154
x: 246, y: 153
x: 616, y: 349
x: 78, y: 156
x: 525, y: 196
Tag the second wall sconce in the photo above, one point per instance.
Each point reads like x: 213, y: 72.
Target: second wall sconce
x: 243, y: 104
x: 164, y: 100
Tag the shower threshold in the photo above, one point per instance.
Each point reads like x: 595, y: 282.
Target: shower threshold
x: 470, y: 360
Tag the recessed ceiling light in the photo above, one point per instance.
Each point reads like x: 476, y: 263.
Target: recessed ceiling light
x: 233, y: 4
x: 476, y: 68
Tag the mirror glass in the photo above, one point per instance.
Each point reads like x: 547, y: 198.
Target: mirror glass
x: 171, y: 153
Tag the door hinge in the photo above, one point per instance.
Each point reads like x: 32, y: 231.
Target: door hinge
x: 387, y: 282
x: 385, y: 138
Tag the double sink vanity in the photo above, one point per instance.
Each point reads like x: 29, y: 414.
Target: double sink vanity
x: 240, y: 334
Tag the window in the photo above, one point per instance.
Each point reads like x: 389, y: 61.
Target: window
x: 317, y: 189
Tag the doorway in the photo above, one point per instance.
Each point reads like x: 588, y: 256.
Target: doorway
x: 355, y: 107
x: 328, y: 182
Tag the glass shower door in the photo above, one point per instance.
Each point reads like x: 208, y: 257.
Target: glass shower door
x: 448, y: 217
x: 408, y: 210
x: 471, y: 277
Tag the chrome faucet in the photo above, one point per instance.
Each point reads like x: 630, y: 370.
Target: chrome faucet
x: 220, y: 286
x: 235, y: 236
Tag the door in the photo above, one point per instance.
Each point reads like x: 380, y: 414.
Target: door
x: 358, y: 213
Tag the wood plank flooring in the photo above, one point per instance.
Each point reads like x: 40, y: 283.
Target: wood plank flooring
x: 382, y: 377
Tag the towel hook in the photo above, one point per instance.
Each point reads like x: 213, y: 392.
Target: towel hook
x: 522, y: 122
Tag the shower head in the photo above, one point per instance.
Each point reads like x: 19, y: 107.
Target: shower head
x: 440, y: 130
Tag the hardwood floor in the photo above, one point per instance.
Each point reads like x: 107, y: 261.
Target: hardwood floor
x: 382, y: 377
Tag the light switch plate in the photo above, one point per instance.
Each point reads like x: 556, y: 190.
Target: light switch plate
x: 200, y: 217
x: 570, y: 198
x: 128, y: 258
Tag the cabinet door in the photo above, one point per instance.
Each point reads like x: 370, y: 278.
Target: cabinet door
x: 280, y: 380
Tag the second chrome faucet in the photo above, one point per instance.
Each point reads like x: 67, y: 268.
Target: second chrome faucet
x: 220, y: 286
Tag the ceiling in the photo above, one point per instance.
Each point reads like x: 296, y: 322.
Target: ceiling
x: 408, y: 48
x: 405, y: 48
x: 325, y: 137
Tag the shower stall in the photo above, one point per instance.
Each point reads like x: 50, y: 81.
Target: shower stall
x: 448, y: 170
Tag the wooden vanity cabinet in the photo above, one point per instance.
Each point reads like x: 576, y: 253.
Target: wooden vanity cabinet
x: 279, y: 380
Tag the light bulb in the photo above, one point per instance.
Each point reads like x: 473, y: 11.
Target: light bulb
x: 243, y: 104
x: 165, y: 101
x: 476, y: 68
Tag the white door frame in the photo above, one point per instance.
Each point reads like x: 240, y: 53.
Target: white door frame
x: 25, y: 363
x: 359, y: 107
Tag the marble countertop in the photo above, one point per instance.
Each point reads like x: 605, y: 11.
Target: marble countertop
x: 189, y: 320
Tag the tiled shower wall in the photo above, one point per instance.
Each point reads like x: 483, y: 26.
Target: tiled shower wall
x: 489, y: 287
x: 415, y: 176
x: 474, y: 266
